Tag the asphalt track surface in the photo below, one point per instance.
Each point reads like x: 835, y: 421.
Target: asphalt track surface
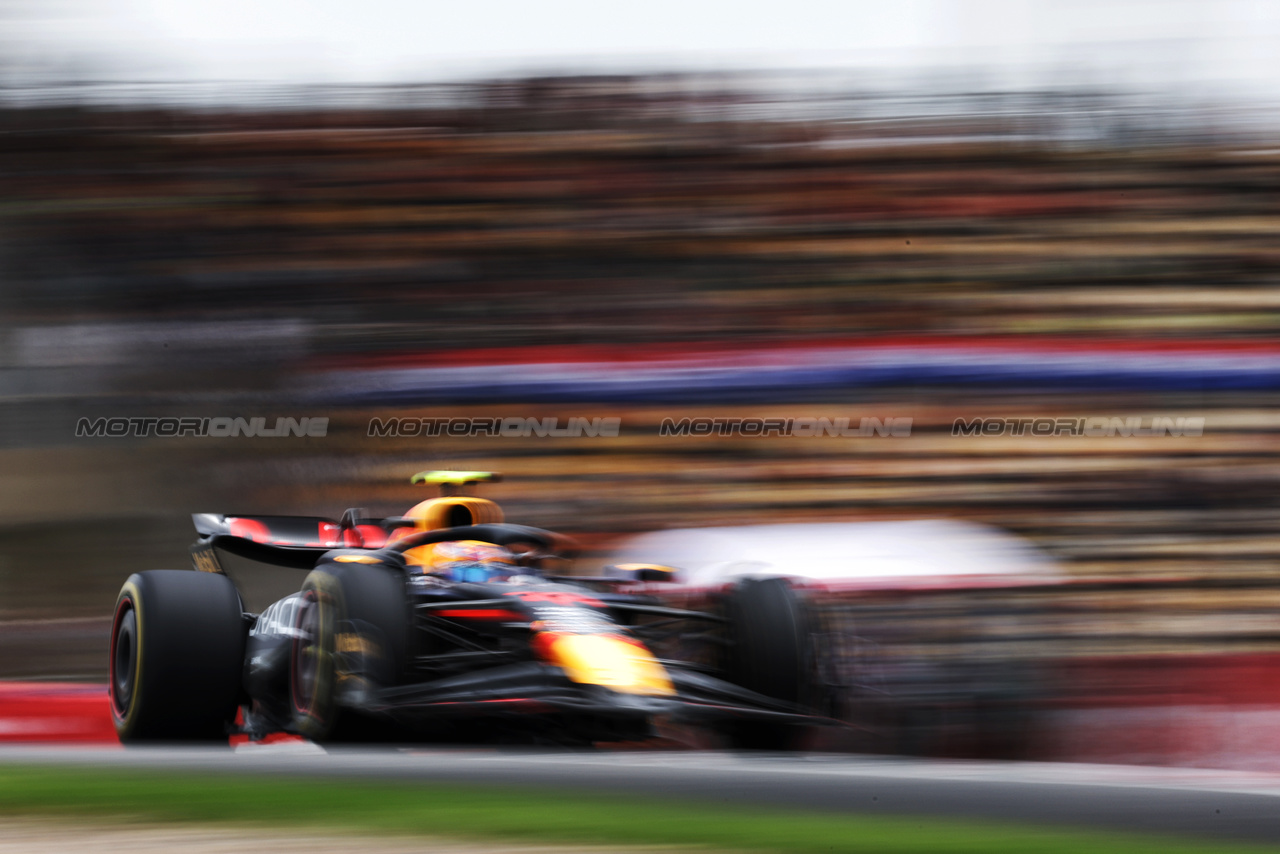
x: 1211, y: 804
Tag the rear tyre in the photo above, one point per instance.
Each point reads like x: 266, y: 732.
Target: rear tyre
x: 770, y: 653
x: 350, y: 641
x: 177, y: 652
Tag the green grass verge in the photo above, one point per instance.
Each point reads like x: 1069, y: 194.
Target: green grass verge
x: 532, y: 815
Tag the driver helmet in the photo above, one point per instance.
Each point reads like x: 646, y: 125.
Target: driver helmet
x: 469, y: 560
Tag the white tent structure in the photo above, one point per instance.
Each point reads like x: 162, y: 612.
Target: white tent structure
x: 920, y: 550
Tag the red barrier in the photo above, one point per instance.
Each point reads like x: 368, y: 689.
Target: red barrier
x: 55, y: 712
x: 1118, y: 681
x: 68, y: 713
x: 1209, y: 711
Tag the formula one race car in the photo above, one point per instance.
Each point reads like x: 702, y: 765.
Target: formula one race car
x: 447, y: 623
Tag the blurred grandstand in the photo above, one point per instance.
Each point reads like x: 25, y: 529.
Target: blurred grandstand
x: 195, y: 257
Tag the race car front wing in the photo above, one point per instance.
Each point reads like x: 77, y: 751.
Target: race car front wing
x: 531, y: 687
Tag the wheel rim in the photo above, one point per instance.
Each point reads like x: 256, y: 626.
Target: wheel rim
x: 124, y: 659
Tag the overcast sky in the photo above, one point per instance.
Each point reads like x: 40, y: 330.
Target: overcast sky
x: 1138, y: 42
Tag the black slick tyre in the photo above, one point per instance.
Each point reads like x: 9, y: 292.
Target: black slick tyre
x: 349, y: 641
x: 770, y: 652
x: 176, y: 656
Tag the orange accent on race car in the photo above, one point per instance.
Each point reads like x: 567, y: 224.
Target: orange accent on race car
x: 454, y: 510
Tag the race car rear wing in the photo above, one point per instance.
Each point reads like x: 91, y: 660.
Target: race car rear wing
x: 205, y: 559
x: 300, y: 541
x: 353, y: 530
x: 295, y: 541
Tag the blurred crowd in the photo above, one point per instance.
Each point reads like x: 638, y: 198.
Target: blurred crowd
x: 629, y: 210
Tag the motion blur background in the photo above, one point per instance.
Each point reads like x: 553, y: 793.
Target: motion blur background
x: 934, y: 211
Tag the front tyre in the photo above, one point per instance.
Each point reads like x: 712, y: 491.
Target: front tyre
x: 312, y: 667
x: 177, y: 651
x: 349, y: 640
x: 770, y: 653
